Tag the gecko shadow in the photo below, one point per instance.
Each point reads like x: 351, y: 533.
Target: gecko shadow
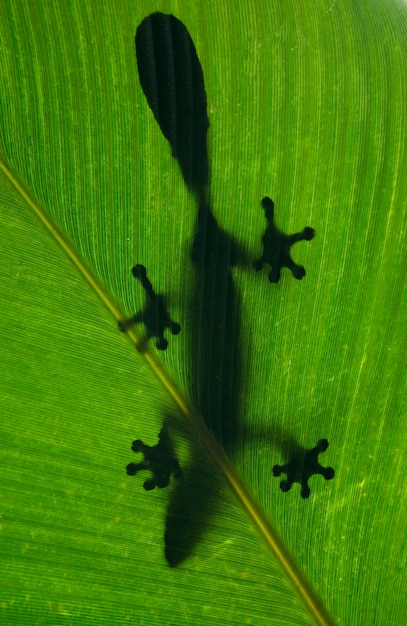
x: 172, y: 80
x: 300, y: 463
x: 216, y: 379
x: 154, y: 315
x: 159, y: 460
x: 276, y: 246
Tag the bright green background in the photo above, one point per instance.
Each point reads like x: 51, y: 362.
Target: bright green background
x: 307, y: 104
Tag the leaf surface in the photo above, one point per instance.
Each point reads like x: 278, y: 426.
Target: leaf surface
x: 306, y: 104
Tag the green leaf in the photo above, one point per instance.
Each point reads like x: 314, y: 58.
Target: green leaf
x: 307, y: 105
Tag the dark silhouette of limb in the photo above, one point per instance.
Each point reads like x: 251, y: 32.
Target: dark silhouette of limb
x: 160, y: 460
x: 276, y: 247
x: 154, y: 316
x: 302, y: 465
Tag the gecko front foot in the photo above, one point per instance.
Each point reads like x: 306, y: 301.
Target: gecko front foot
x: 276, y: 247
x: 154, y: 316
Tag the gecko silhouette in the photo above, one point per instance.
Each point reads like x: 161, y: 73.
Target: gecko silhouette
x: 302, y: 465
x: 160, y: 460
x: 154, y: 316
x: 276, y: 247
x: 172, y: 81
